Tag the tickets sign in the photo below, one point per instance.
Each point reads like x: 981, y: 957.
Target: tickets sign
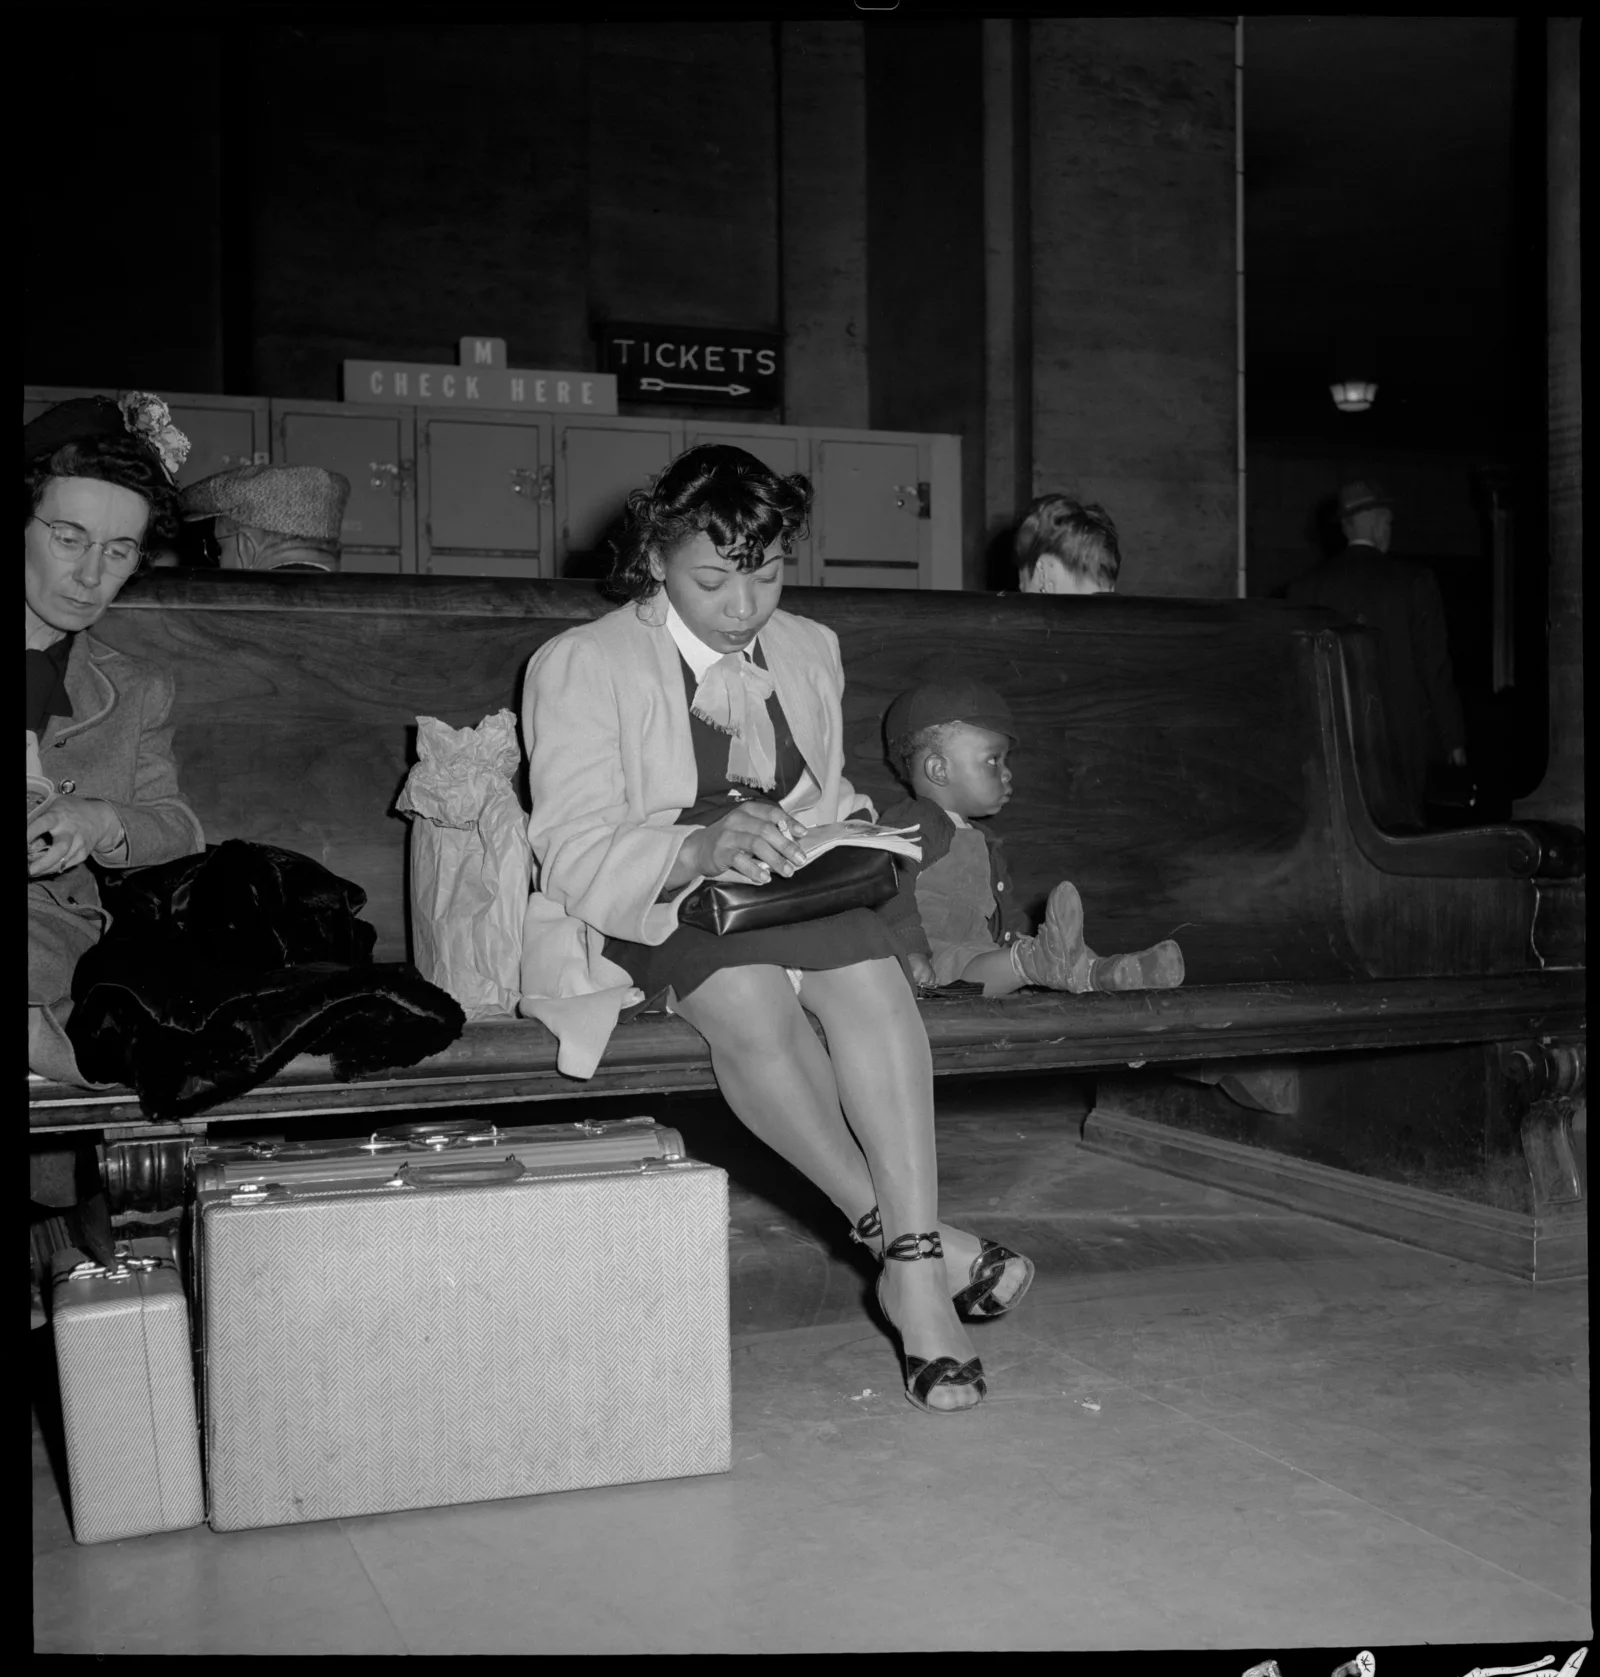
x: 693, y: 365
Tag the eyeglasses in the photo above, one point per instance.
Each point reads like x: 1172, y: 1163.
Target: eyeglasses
x: 70, y: 542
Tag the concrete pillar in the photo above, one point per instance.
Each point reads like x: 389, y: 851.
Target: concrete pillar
x: 823, y: 210
x: 1134, y: 305
x: 1560, y: 797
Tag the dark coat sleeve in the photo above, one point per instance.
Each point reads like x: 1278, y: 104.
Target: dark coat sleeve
x: 900, y: 913
x: 1430, y: 650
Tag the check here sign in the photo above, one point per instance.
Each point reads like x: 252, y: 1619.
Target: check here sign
x: 536, y: 389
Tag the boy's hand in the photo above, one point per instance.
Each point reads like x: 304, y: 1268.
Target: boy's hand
x: 922, y: 971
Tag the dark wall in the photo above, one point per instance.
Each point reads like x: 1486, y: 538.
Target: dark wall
x: 413, y: 185
x: 321, y: 193
x: 1394, y: 211
x: 406, y: 187
x: 121, y: 264
x: 1134, y: 319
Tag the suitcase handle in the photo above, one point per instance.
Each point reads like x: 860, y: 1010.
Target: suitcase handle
x: 467, y: 1173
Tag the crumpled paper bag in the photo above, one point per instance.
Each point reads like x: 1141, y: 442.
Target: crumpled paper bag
x: 471, y: 865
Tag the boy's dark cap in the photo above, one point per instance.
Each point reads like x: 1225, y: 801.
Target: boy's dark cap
x: 948, y: 701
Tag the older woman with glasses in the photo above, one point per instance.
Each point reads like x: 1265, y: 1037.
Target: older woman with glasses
x: 97, y: 486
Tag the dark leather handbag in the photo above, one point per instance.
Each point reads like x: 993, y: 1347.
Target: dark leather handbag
x: 852, y: 876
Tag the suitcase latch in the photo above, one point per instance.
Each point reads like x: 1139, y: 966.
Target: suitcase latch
x: 609, y: 1126
x: 124, y: 1267
x: 258, y: 1193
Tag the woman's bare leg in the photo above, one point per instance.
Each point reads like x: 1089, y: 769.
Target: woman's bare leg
x: 777, y: 1078
x: 884, y: 1071
x: 780, y: 1082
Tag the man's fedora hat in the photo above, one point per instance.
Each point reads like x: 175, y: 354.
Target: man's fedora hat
x: 1360, y: 497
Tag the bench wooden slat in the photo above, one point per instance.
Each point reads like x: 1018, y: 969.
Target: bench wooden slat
x: 504, y: 1061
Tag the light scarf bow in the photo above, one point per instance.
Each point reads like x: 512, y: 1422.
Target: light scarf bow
x: 732, y: 698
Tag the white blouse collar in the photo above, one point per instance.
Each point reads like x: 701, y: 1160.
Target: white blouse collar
x: 696, y: 654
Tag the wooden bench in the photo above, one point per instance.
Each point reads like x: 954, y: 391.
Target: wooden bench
x: 1214, y: 771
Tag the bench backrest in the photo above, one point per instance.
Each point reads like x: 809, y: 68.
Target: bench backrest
x: 1174, y: 764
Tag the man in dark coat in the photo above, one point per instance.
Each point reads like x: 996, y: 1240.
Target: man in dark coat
x: 1401, y: 602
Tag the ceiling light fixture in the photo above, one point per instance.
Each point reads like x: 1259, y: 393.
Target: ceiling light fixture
x: 1354, y: 395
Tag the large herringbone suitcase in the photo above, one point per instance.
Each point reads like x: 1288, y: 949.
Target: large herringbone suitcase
x: 127, y: 1393
x: 454, y: 1329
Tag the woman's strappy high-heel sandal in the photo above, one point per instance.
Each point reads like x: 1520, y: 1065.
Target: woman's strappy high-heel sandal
x: 923, y: 1375
x: 975, y: 1302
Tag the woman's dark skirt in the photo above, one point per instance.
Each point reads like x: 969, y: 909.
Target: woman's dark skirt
x: 689, y: 957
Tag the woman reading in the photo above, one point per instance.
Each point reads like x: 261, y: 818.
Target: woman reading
x: 696, y: 732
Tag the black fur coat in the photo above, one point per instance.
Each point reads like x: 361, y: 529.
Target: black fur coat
x: 219, y: 968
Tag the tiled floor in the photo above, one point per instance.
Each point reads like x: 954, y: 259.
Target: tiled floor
x: 1212, y: 1425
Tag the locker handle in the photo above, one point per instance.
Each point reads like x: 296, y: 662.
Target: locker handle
x: 468, y: 1173
x: 400, y: 476
x: 538, y: 487
x: 918, y: 493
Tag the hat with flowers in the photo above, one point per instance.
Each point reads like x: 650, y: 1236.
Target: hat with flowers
x: 139, y: 414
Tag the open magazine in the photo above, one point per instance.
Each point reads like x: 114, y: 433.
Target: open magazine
x: 901, y: 841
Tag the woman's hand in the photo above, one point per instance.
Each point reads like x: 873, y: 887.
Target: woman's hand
x: 71, y: 830
x: 922, y: 971
x: 753, y: 840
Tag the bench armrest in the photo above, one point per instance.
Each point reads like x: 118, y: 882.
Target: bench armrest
x: 1357, y: 756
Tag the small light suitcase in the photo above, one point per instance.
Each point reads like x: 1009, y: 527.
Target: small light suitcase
x: 127, y: 1393
x: 455, y: 1328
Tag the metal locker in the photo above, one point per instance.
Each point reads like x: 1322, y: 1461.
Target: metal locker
x: 871, y: 525
x: 375, y: 447
x: 222, y: 434
x: 600, y: 463
x: 486, y: 494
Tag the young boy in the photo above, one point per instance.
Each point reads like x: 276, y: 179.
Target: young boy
x: 1063, y: 546
x: 956, y: 913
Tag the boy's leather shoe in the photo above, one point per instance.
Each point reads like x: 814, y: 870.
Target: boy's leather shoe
x: 1056, y: 956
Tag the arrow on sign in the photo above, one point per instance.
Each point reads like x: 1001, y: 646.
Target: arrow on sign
x: 718, y: 389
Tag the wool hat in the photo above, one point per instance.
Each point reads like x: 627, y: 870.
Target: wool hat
x: 1360, y: 497
x: 303, y: 501
x: 963, y: 700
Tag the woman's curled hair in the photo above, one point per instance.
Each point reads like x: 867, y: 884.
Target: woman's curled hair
x: 741, y: 504
x: 124, y: 461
